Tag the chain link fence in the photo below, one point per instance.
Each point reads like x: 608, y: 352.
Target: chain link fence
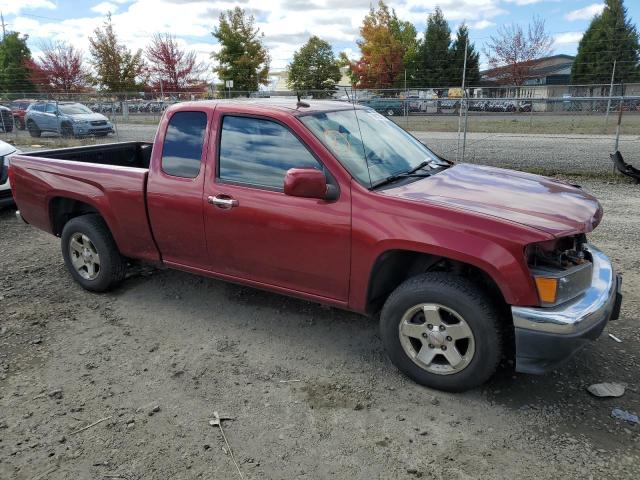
x: 546, y: 129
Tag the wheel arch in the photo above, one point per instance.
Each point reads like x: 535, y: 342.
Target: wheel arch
x: 394, y: 266
x: 62, y: 209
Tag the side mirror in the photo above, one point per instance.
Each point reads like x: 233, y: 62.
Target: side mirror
x: 306, y: 182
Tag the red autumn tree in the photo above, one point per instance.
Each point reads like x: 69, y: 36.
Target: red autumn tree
x: 382, y: 50
x: 60, y: 68
x: 177, y: 69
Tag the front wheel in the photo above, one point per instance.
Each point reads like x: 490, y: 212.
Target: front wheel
x: 390, y: 112
x: 66, y: 131
x: 34, y: 131
x: 442, y: 331
x: 91, y: 254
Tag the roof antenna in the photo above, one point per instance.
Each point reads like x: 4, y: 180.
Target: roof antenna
x: 300, y: 102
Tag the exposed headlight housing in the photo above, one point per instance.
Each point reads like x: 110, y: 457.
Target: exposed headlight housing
x: 561, y: 269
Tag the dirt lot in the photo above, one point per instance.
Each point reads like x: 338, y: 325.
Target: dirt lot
x: 310, y: 390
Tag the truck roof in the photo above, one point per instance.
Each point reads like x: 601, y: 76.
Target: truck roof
x: 288, y: 105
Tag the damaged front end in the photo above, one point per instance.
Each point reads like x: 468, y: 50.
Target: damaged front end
x: 579, y: 293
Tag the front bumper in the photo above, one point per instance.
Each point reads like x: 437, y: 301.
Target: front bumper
x: 88, y: 129
x: 546, y: 337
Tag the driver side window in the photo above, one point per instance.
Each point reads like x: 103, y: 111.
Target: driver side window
x: 51, y: 108
x: 259, y: 152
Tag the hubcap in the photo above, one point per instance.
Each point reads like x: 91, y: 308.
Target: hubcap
x: 84, y: 256
x: 437, y: 338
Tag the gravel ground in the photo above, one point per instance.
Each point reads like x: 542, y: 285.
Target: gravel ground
x: 569, y: 154
x: 309, y: 388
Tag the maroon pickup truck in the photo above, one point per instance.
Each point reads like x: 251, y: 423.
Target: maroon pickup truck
x: 336, y: 204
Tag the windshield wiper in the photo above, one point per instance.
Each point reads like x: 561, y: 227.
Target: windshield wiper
x: 409, y: 173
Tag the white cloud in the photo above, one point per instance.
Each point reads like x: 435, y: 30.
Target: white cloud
x: 13, y: 7
x: 524, y: 2
x: 586, y: 13
x: 286, y: 23
x: 104, y: 8
x: 482, y: 24
x: 567, y: 38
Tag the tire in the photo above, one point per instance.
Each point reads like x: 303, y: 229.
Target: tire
x: 112, y: 266
x: 390, y: 112
x: 66, y: 130
x: 447, y: 295
x: 34, y: 131
x: 20, y: 124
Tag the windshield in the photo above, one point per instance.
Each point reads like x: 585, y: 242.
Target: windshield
x: 389, y: 150
x: 73, y: 108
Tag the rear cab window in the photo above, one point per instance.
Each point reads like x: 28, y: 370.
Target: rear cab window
x: 258, y: 152
x: 183, y: 142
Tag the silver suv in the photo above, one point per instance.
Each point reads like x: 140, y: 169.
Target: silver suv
x: 69, y: 119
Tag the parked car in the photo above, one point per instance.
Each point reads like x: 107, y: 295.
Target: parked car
x: 19, y: 110
x: 387, y: 106
x: 463, y: 262
x: 525, y: 106
x: 69, y: 119
x: 6, y: 119
x: 6, y: 151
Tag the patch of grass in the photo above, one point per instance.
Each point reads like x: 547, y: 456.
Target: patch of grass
x: 538, y: 123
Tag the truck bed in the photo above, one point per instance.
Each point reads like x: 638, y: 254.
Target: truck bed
x: 123, y: 154
x: 110, y: 179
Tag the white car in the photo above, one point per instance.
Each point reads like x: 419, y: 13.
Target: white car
x: 6, y: 150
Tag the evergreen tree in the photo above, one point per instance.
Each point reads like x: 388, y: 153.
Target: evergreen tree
x: 456, y: 55
x: 243, y: 57
x: 610, y: 37
x: 314, y: 67
x: 432, y: 65
x: 15, y: 58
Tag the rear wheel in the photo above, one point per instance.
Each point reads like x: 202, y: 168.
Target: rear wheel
x: 391, y: 112
x: 91, y: 255
x: 34, y: 131
x: 442, y: 331
x: 20, y: 123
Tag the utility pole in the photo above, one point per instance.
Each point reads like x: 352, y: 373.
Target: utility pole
x: 406, y: 97
x: 4, y: 26
x: 464, y: 78
x: 606, y: 117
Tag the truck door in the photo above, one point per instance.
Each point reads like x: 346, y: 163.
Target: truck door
x: 254, y: 231
x: 174, y: 188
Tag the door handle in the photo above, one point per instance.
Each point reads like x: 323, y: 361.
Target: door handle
x: 222, y: 201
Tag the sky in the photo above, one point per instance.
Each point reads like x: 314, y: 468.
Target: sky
x: 286, y: 24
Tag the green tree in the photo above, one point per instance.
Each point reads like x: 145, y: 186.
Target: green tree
x: 117, y: 69
x: 432, y: 58
x: 243, y: 57
x: 15, y: 58
x: 405, y: 32
x: 610, y: 37
x: 314, y: 67
x: 456, y: 62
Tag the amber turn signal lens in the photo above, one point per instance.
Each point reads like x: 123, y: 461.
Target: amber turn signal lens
x: 547, y: 289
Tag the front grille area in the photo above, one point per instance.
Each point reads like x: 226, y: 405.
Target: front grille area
x: 6, y: 119
x: 98, y: 123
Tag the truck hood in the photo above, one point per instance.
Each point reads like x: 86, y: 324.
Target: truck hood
x: 81, y: 117
x: 551, y: 206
